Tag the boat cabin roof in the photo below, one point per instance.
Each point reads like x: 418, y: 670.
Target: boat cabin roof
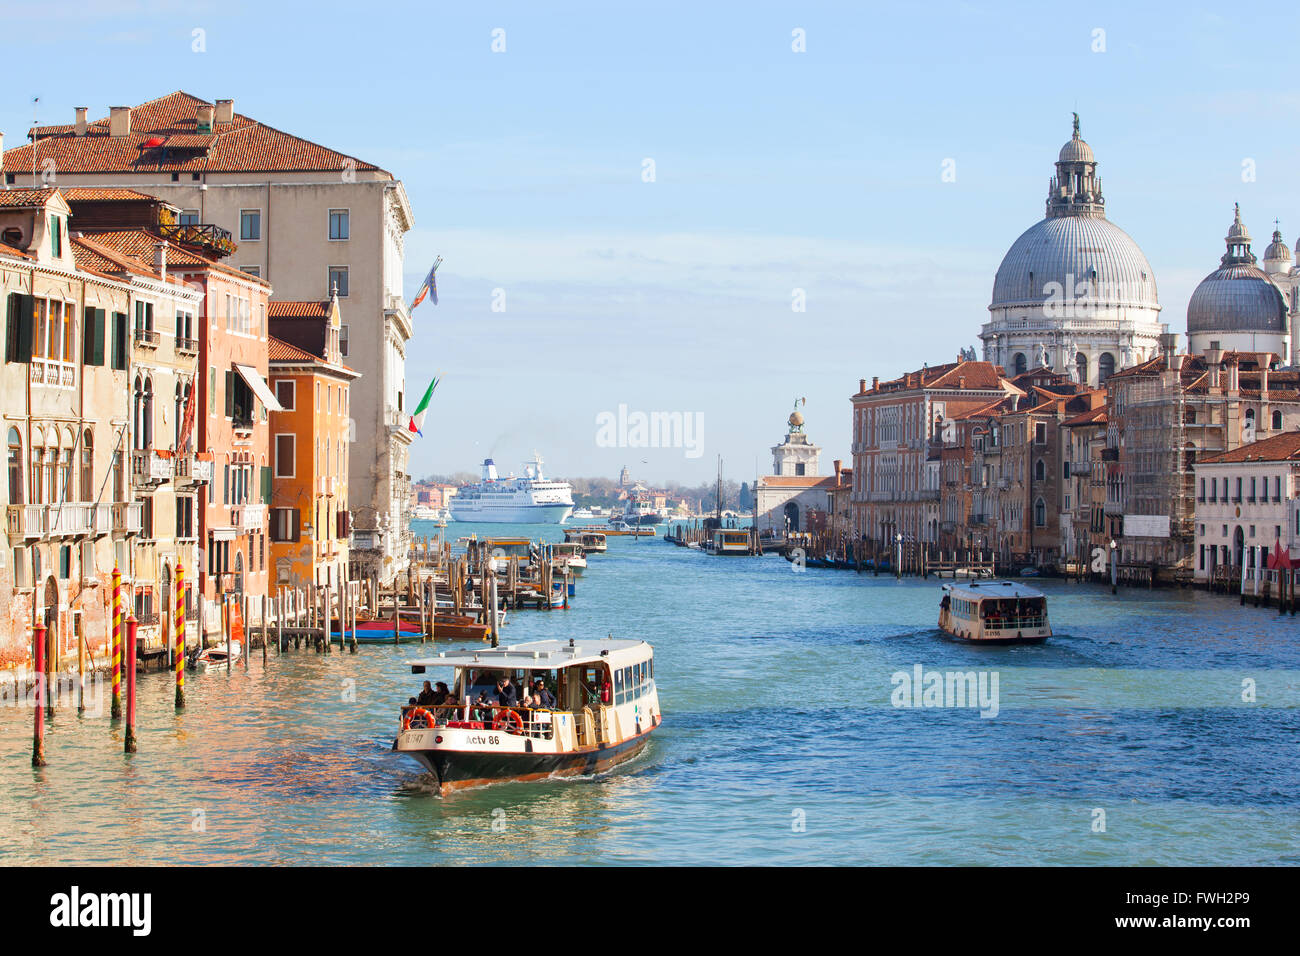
x: 983, y: 590
x: 542, y: 655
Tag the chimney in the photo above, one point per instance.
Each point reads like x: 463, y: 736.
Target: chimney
x: 1212, y: 364
x: 119, y: 121
x: 961, y: 381
x: 1263, y: 383
x: 1168, y: 343
x: 160, y: 258
x: 875, y: 382
x: 1234, y: 381
x: 81, y: 121
x: 225, y: 112
x: 205, y: 118
x: 862, y: 385
x: 1175, y: 360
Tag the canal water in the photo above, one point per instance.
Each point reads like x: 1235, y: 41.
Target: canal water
x: 1156, y: 727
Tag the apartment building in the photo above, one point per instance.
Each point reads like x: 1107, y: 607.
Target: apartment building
x: 310, y: 220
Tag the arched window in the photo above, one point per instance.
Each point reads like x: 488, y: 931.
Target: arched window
x: 87, y: 466
x: 1040, y: 513
x: 52, y: 489
x: 148, y: 413
x: 1277, y: 420
x: 1020, y: 364
x: 1081, y: 365
x: 15, y: 467
x: 1105, y: 367
x: 1040, y: 470
x: 66, y: 487
x: 137, y: 413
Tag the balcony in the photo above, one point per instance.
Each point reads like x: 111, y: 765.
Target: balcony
x: 26, y: 521
x: 148, y: 468
x: 187, y: 346
x: 326, y: 486
x: 146, y: 338
x: 70, y: 519
x: 52, y: 372
x: 102, y: 520
x: 205, y: 235
x: 248, y: 517
x: 1080, y: 468
x: 192, y: 470
x: 1110, y: 454
x: 128, y: 517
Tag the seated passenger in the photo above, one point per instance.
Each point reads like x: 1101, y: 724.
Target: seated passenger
x: 441, y: 695
x: 542, y: 696
x: 426, y: 695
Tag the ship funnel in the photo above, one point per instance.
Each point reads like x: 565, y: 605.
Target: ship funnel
x: 489, y: 470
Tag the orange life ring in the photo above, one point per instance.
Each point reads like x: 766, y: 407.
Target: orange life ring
x: 506, y: 718
x: 417, y: 712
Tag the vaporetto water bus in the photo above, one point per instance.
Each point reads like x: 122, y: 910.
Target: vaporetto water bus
x: 994, y: 612
x: 606, y: 705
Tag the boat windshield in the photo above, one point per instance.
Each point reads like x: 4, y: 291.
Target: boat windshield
x: 1000, y: 613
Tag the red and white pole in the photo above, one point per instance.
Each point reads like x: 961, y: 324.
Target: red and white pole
x: 180, y: 636
x: 116, y: 712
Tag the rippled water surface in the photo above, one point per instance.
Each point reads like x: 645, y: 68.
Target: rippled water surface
x: 780, y: 744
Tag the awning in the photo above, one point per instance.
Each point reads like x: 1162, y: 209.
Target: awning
x: 259, y: 387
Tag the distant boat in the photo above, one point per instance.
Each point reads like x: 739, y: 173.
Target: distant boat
x: 217, y: 656
x: 994, y: 612
x: 531, y: 499
x: 1029, y: 572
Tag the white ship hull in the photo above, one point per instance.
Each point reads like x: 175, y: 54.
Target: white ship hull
x: 512, y: 513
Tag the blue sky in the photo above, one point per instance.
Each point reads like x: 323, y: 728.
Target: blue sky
x: 774, y: 170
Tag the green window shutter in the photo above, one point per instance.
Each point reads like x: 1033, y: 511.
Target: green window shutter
x: 266, y: 484
x: 101, y: 319
x: 23, y: 344
x: 230, y: 395
x: 12, y: 323
x: 119, y: 341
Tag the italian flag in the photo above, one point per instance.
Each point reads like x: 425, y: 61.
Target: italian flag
x: 417, y: 420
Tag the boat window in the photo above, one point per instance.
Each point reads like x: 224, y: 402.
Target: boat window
x: 618, y: 686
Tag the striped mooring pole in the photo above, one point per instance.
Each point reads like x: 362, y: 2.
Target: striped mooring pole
x: 38, y: 730
x: 116, y: 712
x: 129, y: 737
x: 180, y: 636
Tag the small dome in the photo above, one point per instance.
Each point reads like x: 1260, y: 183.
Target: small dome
x: 1237, y: 298
x: 795, y: 419
x: 1277, y: 249
x: 1237, y: 232
x: 1076, y: 151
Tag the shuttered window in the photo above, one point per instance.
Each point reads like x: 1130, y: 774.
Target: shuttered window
x: 18, y: 328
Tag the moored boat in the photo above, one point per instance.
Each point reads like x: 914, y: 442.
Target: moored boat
x: 220, y: 655
x: 994, y: 612
x: 728, y: 541
x: 606, y: 705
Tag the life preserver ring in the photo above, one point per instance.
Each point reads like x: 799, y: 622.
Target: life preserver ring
x: 509, y: 721
x: 418, y: 713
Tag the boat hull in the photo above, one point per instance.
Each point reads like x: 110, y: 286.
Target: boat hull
x: 1035, y: 639
x: 461, y: 770
x: 512, y: 514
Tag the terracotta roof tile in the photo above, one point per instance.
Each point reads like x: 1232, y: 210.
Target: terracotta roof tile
x: 240, y: 145
x: 1283, y: 447
x: 105, y: 194
x: 280, y: 351
x: 24, y: 198
x: 279, y: 309
x: 138, y: 244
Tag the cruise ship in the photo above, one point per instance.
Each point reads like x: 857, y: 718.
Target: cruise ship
x: 527, y: 500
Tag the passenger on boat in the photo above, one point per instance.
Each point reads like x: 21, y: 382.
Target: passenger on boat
x: 542, y: 696
x: 426, y: 695
x: 441, y: 694
x: 507, y: 695
x: 482, y: 710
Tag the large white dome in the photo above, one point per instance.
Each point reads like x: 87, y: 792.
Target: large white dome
x: 1054, y: 255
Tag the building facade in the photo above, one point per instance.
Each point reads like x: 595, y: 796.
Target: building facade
x: 310, y: 220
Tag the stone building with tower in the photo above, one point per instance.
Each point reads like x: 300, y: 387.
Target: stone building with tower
x: 796, y: 491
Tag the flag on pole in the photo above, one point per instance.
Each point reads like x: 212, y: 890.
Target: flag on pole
x: 417, y: 420
x: 430, y: 285
x: 187, y: 424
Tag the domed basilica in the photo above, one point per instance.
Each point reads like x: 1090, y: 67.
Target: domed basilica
x: 1242, y: 307
x: 1074, y: 292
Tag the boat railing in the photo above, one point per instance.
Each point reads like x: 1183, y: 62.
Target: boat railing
x: 1015, y: 622
x: 466, y: 717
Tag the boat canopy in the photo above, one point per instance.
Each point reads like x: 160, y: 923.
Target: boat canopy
x: 536, y: 655
x: 982, y: 590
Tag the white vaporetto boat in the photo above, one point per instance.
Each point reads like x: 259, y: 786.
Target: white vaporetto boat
x: 531, y: 499
x: 606, y: 705
x: 994, y: 612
